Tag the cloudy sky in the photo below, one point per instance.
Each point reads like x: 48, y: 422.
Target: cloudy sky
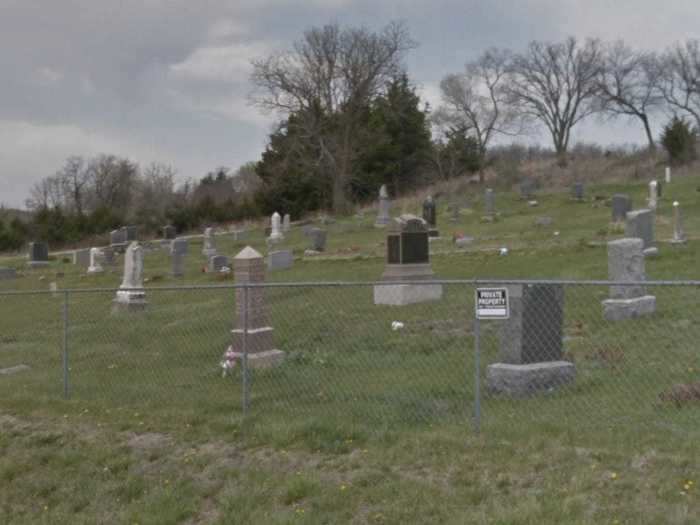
x: 167, y: 80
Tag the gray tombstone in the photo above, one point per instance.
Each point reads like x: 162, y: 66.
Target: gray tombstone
x: 209, y: 243
x: 169, y: 232
x: 531, y: 347
x: 38, y: 254
x: 678, y: 233
x: 489, y: 204
x: 384, y: 207
x: 286, y: 223
x: 577, y: 191
x: 177, y: 260
x: 117, y: 239
x: 527, y: 189
x: 179, y: 245
x: 109, y: 256
x: 217, y: 263
x: 81, y: 257
x: 408, y: 259
x: 132, y: 233
x: 239, y: 235
x: 7, y: 273
x: 621, y: 204
x: 640, y: 224
x: 430, y: 216
x: 318, y: 239
x: 626, y: 265
x: 280, y: 260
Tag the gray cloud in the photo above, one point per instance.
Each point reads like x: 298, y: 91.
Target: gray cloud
x: 167, y: 79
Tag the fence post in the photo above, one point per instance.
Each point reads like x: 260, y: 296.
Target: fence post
x: 66, y: 378
x: 246, y: 375
x: 477, y: 375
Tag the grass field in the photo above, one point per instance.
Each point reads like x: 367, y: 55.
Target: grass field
x: 361, y: 424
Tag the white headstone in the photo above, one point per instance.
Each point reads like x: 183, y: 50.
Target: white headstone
x: 286, y: 223
x: 209, y: 248
x: 668, y: 174
x: 95, y: 266
x: 653, y: 194
x: 678, y: 233
x: 131, y: 293
x: 276, y: 229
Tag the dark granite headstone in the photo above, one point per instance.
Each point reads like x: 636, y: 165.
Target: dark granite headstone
x: 318, y: 239
x: 38, y: 252
x: 621, y: 204
x: 407, y: 243
x: 132, y: 233
x: 577, y: 191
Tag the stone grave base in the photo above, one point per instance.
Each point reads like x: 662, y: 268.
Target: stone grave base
x: 129, y: 301
x: 403, y: 294
x: 38, y: 264
x: 621, y: 309
x: 679, y: 241
x: 264, y: 359
x: 651, y: 252
x: 95, y: 269
x: 526, y: 380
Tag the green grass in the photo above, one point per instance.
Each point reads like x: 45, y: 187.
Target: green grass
x: 361, y: 423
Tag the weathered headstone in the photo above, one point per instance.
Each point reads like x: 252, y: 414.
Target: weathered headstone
x: 209, y: 247
x: 640, y: 224
x: 621, y: 204
x: 318, y: 239
x: 286, y: 223
x: 527, y: 188
x: 95, y: 266
x: 108, y: 256
x: 489, y: 204
x: 117, y: 239
x: 38, y: 254
x: 280, y: 260
x: 239, y: 235
x: 626, y: 264
x: 577, y: 191
x: 169, y: 232
x: 217, y: 263
x: 653, y: 194
x: 177, y: 260
x: 678, y: 233
x: 179, y: 245
x: 82, y: 257
x: 252, y: 335
x: 668, y: 175
x: 275, y: 229
x: 408, y: 259
x: 132, y: 233
x: 384, y: 207
x: 131, y: 295
x: 430, y: 216
x: 531, y: 347
x: 7, y: 273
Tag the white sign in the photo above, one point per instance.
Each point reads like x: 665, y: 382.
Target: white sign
x: 492, y: 303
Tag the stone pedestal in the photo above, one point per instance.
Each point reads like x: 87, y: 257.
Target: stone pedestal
x: 131, y: 294
x: 95, y: 266
x: 383, y: 217
x: 252, y: 334
x: 621, y: 309
x: 129, y: 300
x: 525, y: 380
x: 209, y: 247
x: 626, y: 264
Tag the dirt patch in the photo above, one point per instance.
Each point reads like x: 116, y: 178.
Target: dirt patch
x: 681, y: 394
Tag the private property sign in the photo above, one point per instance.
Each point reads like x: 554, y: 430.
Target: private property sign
x: 492, y: 303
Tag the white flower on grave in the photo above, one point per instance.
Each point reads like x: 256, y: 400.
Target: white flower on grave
x: 503, y: 251
x: 397, y: 325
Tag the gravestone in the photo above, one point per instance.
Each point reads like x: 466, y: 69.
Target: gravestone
x: 132, y: 233
x: 577, y: 191
x: 177, y: 263
x: 179, y: 245
x: 527, y: 189
x: 384, y: 207
x: 81, y: 258
x: 38, y: 254
x: 668, y: 175
x: 209, y: 247
x: 489, y: 204
x: 169, y: 232
x: 280, y: 260
x: 531, y: 343
x: 275, y: 229
x: 286, y: 223
x: 131, y: 295
x: 408, y: 259
x: 626, y: 264
x: 109, y: 256
x: 678, y: 233
x: 640, y: 224
x: 621, y: 204
x: 239, y: 235
x: 653, y: 194
x: 117, y: 239
x: 95, y: 266
x: 7, y: 273
x: 430, y: 216
x: 318, y: 239
x: 252, y: 336
x: 217, y: 263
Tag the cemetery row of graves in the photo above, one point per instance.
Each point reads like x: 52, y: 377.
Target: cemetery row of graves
x: 397, y: 349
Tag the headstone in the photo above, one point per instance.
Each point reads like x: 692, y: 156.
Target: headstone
x: 95, y: 266
x: 653, y: 195
x: 177, y: 260
x: 239, y: 235
x: 82, y: 257
x: 132, y: 233
x: 280, y: 260
x: 275, y: 229
x: 678, y: 233
x: 577, y: 191
x: 252, y: 337
x: 640, y: 224
x: 286, y: 223
x: 109, y: 256
x: 131, y: 295
x: 408, y: 259
x: 179, y: 245
x: 318, y: 239
x: 531, y: 346
x: 430, y: 216
x: 668, y: 175
x: 7, y: 273
x: 38, y: 254
x: 626, y: 264
x: 209, y: 248
x: 384, y: 207
x: 217, y: 263
x: 169, y: 232
x: 527, y: 189
x: 489, y: 204
x: 117, y: 239
x: 621, y: 204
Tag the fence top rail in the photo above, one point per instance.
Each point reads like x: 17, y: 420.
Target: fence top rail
x: 350, y: 284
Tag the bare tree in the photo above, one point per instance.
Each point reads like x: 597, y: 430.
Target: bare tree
x: 629, y: 85
x: 75, y: 179
x: 112, y: 180
x: 556, y: 84
x: 477, y: 101
x: 46, y: 193
x: 681, y: 78
x: 327, y: 80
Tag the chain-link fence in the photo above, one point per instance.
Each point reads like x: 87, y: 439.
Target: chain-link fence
x: 327, y: 351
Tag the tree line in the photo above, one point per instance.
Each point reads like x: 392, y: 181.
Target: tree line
x: 350, y: 120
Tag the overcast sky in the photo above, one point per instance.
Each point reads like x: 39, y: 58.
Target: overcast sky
x: 166, y: 80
